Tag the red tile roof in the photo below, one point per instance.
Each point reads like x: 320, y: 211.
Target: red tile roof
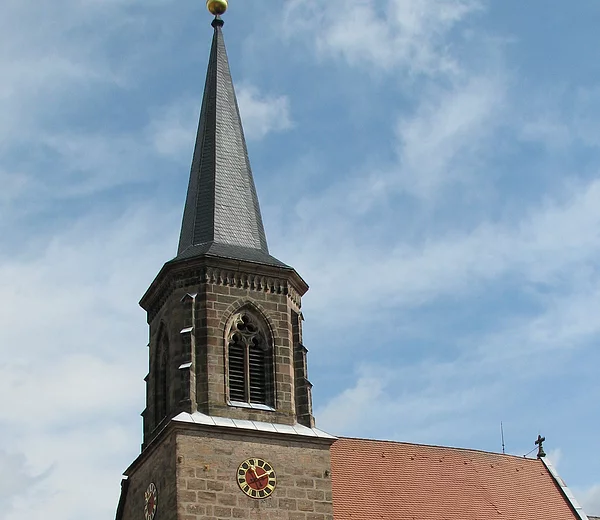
x: 377, y: 480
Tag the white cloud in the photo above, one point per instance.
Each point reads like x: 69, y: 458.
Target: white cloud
x: 45, y: 57
x: 547, y: 120
x: 14, y: 185
x: 555, y: 456
x: 56, y: 59
x: 83, y: 467
x: 16, y: 478
x: 75, y: 278
x: 557, y: 239
x: 74, y: 388
x: 172, y: 130
x: 545, y: 256
x: 449, y: 136
x: 74, y: 343
x: 590, y: 499
x: 403, y: 34
x: 470, y: 382
x: 350, y: 408
x: 420, y: 403
x: 91, y: 162
x: 263, y: 113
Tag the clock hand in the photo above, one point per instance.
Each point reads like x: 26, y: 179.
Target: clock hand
x: 256, y: 477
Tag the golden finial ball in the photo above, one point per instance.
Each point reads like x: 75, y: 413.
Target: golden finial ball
x: 216, y: 7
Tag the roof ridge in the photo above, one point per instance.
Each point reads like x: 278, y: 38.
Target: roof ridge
x: 437, y: 446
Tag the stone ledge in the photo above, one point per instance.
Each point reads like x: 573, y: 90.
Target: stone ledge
x: 254, y: 426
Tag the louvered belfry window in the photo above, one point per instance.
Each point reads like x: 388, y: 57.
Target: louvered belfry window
x: 250, y: 359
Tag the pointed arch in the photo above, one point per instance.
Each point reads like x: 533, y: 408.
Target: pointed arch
x: 254, y: 306
x: 161, y: 376
x: 249, y: 358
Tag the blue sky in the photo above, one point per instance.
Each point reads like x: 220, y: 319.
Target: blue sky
x: 430, y: 167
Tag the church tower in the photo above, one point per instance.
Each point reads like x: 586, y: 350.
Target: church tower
x: 228, y: 430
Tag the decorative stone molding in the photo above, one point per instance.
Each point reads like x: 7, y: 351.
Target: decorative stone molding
x: 244, y: 303
x: 221, y: 277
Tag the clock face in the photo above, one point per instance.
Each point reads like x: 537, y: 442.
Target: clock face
x: 150, y: 499
x: 256, y: 478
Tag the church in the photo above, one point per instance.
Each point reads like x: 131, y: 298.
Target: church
x: 228, y: 428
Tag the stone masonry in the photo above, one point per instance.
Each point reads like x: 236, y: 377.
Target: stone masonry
x: 207, y: 463
x: 192, y: 303
x: 194, y: 469
x: 157, y: 465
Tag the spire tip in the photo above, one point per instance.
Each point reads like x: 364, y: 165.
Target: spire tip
x: 216, y: 7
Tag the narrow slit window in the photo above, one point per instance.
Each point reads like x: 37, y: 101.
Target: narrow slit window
x: 161, y: 395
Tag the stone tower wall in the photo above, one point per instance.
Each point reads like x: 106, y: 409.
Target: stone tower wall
x: 157, y: 465
x: 207, y: 463
x: 194, y: 307
x: 222, y: 303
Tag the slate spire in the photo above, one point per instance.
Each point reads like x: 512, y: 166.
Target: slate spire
x: 222, y: 215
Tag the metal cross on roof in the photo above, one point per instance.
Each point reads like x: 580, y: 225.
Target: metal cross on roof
x: 540, y: 444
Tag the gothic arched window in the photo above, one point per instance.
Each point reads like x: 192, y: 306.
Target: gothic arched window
x: 161, y: 388
x: 250, y: 361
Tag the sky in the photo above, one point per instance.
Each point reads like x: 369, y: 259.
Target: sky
x: 430, y: 167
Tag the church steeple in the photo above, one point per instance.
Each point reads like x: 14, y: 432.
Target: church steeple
x: 228, y: 400
x: 225, y: 316
x: 222, y: 214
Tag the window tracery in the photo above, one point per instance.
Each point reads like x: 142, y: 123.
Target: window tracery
x: 250, y: 361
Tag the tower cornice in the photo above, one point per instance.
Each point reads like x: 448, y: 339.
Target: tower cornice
x: 226, y: 272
